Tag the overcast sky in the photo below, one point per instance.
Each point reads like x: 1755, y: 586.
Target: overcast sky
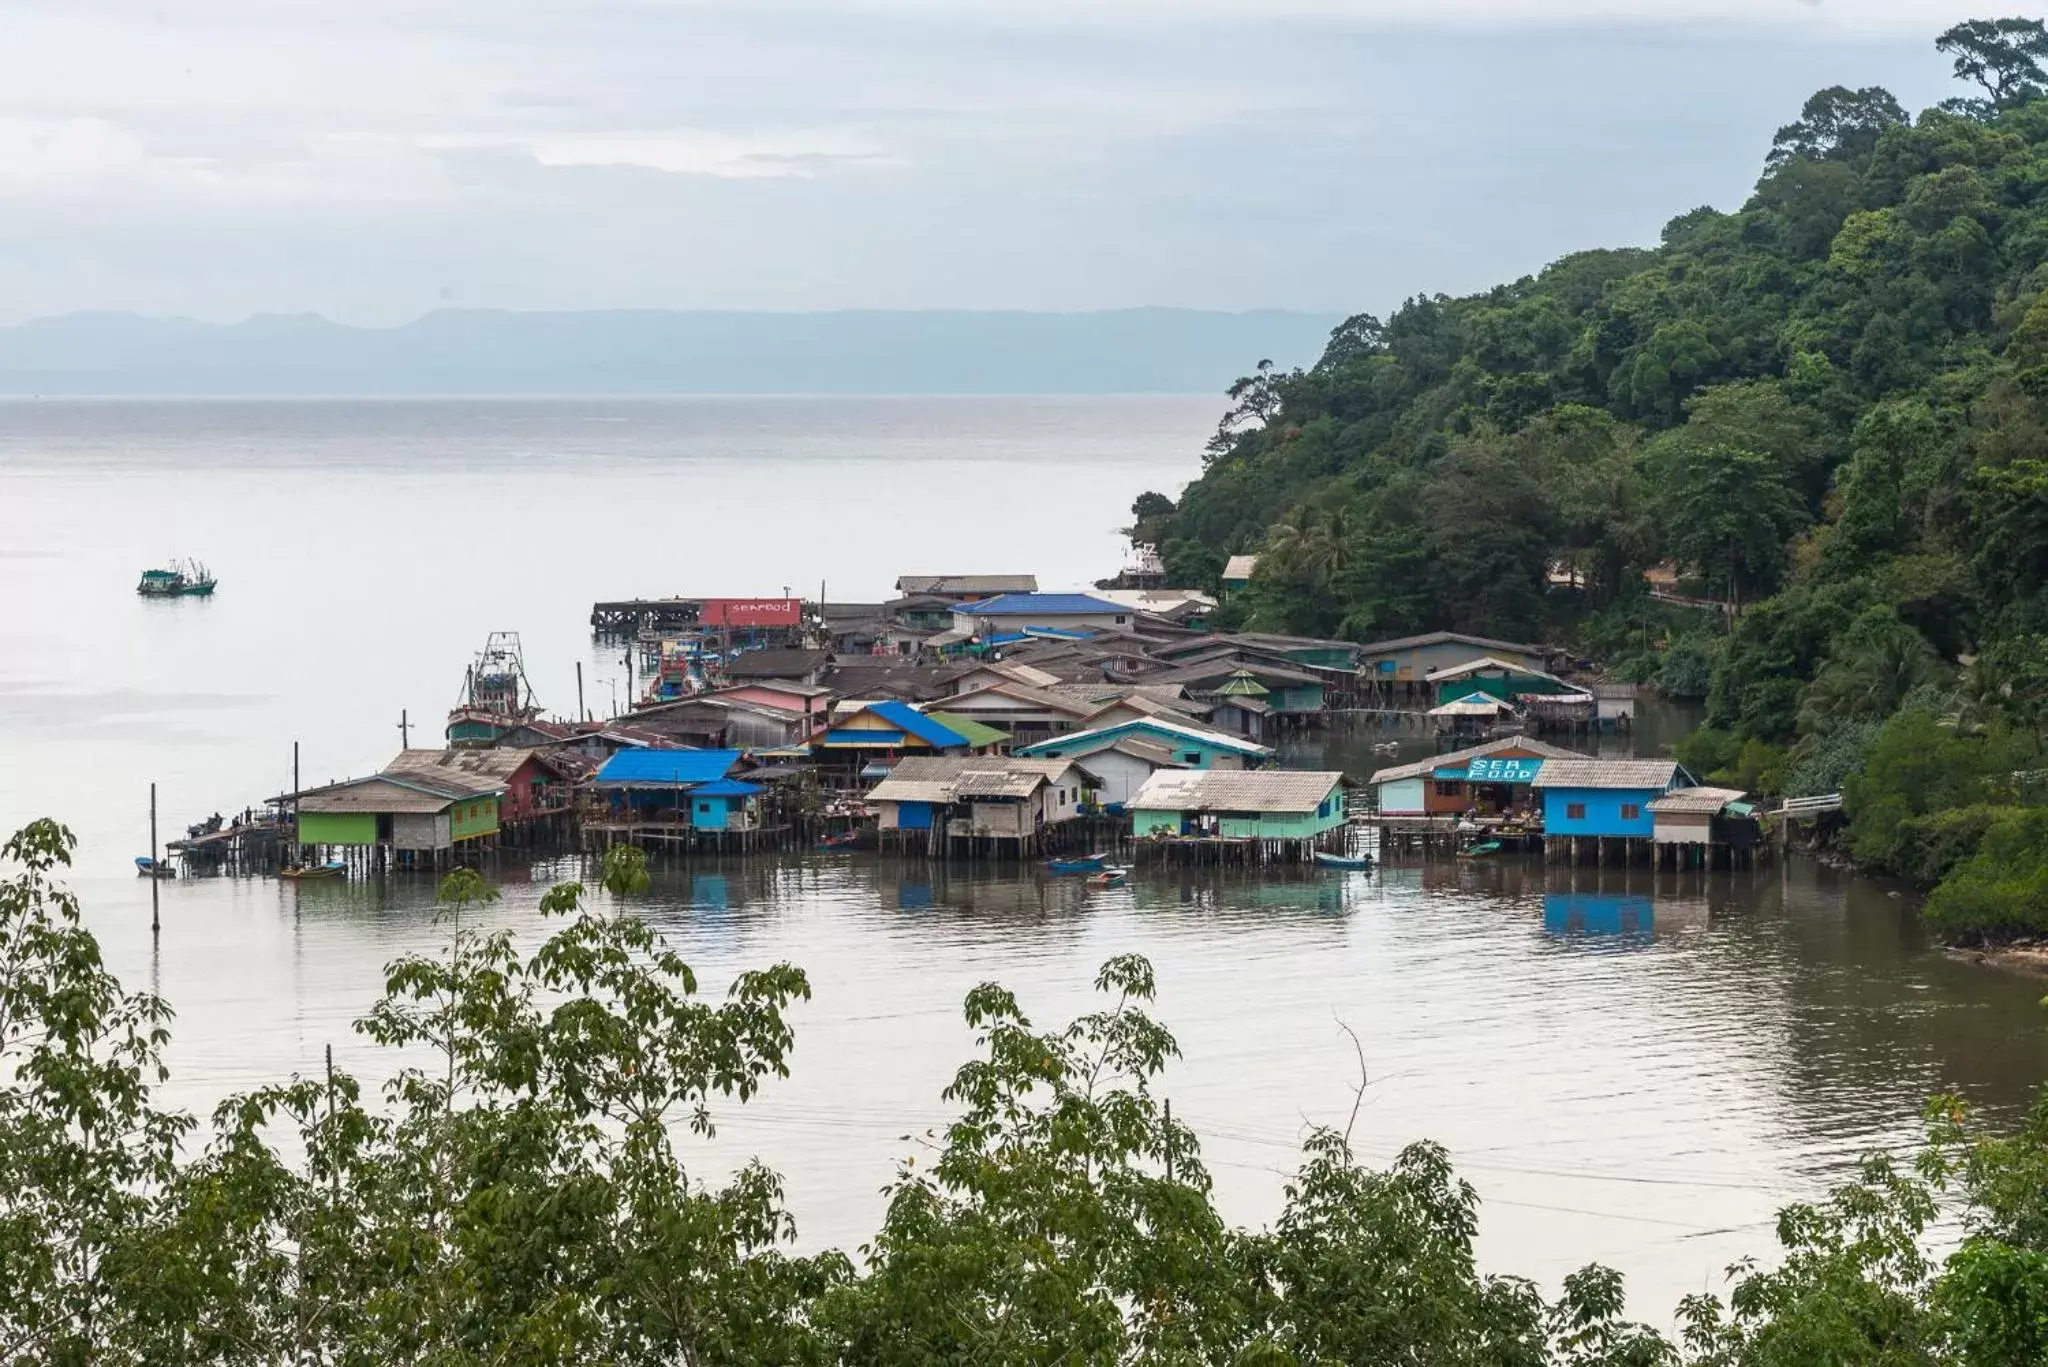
x: 374, y: 159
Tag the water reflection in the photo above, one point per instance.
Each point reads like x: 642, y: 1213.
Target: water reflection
x: 1629, y: 915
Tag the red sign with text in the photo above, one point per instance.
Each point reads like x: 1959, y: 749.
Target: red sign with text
x: 752, y: 612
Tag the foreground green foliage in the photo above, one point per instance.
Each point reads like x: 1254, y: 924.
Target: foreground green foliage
x: 1827, y: 410
x: 518, y: 1193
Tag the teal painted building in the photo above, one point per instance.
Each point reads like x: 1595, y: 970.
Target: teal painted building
x: 1263, y: 804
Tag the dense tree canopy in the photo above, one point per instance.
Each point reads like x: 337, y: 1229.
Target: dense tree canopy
x: 1826, y: 411
x: 522, y: 1194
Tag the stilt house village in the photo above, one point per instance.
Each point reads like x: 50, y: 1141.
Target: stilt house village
x: 973, y: 716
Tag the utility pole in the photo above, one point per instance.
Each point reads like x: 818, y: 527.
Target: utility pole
x: 404, y: 731
x: 298, y: 850
x: 581, y: 714
x: 156, y: 923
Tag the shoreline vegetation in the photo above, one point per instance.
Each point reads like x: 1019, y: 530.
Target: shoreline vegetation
x: 1792, y: 462
x: 519, y: 1191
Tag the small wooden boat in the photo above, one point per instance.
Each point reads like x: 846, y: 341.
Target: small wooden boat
x: 1343, y: 861
x: 1108, y: 878
x: 330, y: 870
x: 838, y: 842
x: 1080, y: 863
x: 146, y: 867
x: 1481, y: 850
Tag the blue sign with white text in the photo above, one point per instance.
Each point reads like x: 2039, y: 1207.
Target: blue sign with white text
x: 1503, y: 770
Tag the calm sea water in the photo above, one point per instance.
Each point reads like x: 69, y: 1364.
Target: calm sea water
x: 1633, y: 1069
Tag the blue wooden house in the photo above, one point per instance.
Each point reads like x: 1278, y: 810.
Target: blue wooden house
x: 677, y: 788
x: 1603, y: 799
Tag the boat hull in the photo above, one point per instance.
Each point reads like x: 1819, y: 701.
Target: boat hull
x: 1343, y: 861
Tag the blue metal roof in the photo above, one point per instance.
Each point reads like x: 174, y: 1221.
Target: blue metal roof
x: 1040, y: 604
x: 666, y: 768
x: 728, y: 787
x: 926, y: 729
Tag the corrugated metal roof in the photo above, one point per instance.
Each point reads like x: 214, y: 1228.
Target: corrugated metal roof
x: 1231, y: 663
x: 728, y: 787
x: 460, y: 771
x: 1157, y: 755
x: 1024, y: 693
x: 1630, y: 774
x: 1477, y: 705
x: 1486, y: 662
x: 927, y: 729
x: 1423, y: 768
x: 1696, y: 801
x: 1024, y: 674
x: 665, y: 768
x: 934, y: 778
x: 1147, y: 727
x: 379, y: 794
x: 1235, y: 790
x: 997, y: 783
x: 1437, y: 638
x: 1039, y: 604
x: 777, y: 663
x: 967, y: 583
x: 973, y: 732
x: 1240, y: 566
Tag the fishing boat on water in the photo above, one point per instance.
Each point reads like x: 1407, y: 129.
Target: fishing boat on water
x: 1111, y: 877
x: 147, y: 867
x: 179, y: 579
x: 333, y: 869
x: 495, y: 694
x: 1087, y: 863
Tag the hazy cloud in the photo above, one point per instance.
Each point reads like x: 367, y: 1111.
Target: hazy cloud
x: 371, y: 158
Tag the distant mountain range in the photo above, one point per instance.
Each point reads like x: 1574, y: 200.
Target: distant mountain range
x: 468, y: 351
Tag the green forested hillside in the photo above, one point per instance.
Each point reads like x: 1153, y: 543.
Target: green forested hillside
x: 1828, y: 409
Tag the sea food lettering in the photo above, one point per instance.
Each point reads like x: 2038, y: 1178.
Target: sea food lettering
x: 752, y: 612
x: 1502, y: 770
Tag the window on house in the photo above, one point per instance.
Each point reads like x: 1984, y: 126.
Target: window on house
x: 1193, y: 757
x: 1575, y: 811
x: 1450, y: 790
x: 1631, y: 812
x: 1121, y: 619
x: 705, y: 808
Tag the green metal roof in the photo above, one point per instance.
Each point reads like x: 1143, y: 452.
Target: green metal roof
x: 1243, y: 685
x: 975, y: 733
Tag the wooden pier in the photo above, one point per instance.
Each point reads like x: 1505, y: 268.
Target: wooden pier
x: 630, y: 617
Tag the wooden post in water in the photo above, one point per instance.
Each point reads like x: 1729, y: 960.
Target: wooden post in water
x: 155, y: 912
